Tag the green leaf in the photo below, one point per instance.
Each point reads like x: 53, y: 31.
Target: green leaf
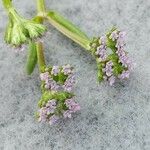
x: 31, y: 58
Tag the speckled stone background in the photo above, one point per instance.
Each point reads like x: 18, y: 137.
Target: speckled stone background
x: 112, y: 118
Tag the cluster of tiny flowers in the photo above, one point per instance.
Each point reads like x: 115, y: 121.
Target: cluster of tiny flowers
x: 108, y: 70
x: 68, y: 85
x: 56, y: 107
x: 114, y: 64
x: 47, y: 113
x: 101, y: 50
x: 119, y: 37
x: 51, y: 84
x: 72, y: 107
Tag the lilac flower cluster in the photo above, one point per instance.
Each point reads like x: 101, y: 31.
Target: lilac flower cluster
x: 47, y: 113
x: 72, y: 107
x: 119, y: 37
x: 51, y: 84
x: 69, y: 83
x: 101, y: 50
x: 58, y: 107
x: 114, y: 64
x: 108, y: 70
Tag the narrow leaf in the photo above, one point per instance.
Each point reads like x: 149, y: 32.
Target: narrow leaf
x: 31, y: 58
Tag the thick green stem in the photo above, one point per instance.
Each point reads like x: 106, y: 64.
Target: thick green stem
x: 7, y: 4
x: 41, y: 6
x: 68, y: 29
x: 40, y: 56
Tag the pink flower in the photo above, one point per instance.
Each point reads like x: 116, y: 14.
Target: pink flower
x: 42, y: 115
x: 51, y: 84
x: 55, y: 70
x: 114, y: 36
x: 103, y: 40
x: 53, y: 119
x: 51, y: 103
x: 70, y: 102
x: 72, y: 105
x: 67, y: 114
x: 51, y: 106
x: 68, y: 85
x: 122, y: 34
x: 101, y: 52
x: 108, y: 68
x: 44, y: 76
x: 125, y: 74
x: 111, y: 80
x: 75, y: 108
x: 66, y: 69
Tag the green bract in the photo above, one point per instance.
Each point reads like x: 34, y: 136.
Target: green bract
x: 20, y: 31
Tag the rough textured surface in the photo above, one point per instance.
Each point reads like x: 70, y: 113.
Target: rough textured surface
x: 116, y: 118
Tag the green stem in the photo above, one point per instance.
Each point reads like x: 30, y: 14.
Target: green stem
x: 68, y: 29
x: 41, y: 6
x: 39, y: 45
x: 7, y: 4
x: 40, y: 56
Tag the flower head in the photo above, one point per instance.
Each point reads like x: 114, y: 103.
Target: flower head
x: 115, y: 63
x: 57, y: 100
x: 55, y: 106
x: 55, y: 70
x: 66, y: 69
x: 58, y: 78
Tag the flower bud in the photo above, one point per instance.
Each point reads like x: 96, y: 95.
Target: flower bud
x: 20, y: 30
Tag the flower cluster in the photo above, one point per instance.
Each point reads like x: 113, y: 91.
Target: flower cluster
x: 119, y: 38
x: 101, y: 50
x: 114, y: 64
x: 55, y: 110
x: 20, y: 30
x: 58, y: 78
x: 57, y: 100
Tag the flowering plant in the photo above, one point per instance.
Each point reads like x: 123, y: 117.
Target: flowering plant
x: 19, y: 30
x: 57, y: 100
x: 112, y: 65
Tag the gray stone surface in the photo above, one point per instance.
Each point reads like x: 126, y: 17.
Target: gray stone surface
x: 112, y: 118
